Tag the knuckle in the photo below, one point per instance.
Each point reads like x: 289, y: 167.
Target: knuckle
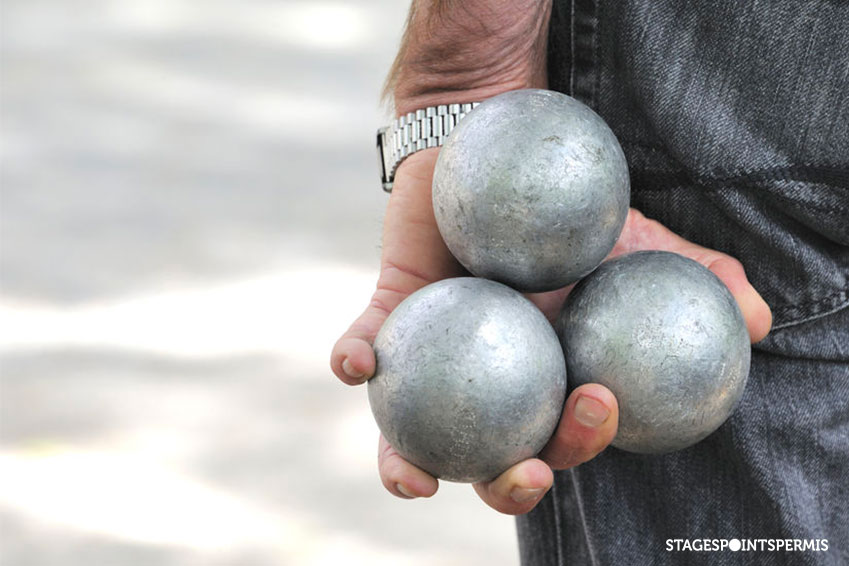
x: 379, y: 302
x: 392, y: 467
x: 561, y: 459
x: 578, y: 452
x: 726, y: 262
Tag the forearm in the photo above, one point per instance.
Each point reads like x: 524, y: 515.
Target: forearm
x: 460, y: 51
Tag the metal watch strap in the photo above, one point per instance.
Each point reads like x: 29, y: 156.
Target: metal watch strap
x: 424, y: 128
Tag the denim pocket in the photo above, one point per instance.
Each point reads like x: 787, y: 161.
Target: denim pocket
x: 734, y: 117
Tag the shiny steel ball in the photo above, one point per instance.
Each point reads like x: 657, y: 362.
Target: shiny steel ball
x: 531, y: 189
x: 666, y: 336
x: 470, y: 379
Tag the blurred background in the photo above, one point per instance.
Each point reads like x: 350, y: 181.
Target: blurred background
x: 190, y: 216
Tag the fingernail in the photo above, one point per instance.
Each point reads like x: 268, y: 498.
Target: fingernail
x: 591, y: 412
x: 405, y: 491
x: 349, y: 369
x: 525, y: 494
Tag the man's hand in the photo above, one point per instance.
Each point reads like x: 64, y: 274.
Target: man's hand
x: 415, y: 255
x: 462, y: 52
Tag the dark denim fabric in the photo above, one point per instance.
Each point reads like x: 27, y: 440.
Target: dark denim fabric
x: 734, y: 116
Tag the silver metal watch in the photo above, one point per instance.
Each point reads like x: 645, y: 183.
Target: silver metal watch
x: 424, y: 128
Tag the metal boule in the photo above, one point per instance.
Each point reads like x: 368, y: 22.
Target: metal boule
x: 470, y: 379
x: 666, y: 336
x: 531, y: 189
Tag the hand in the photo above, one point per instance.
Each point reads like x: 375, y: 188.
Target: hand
x: 415, y: 255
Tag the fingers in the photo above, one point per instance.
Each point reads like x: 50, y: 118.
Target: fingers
x: 352, y: 358
x: 400, y: 477
x: 588, y: 424
x: 641, y: 233
x: 756, y: 312
x: 514, y: 492
x: 519, y: 489
x: 550, y: 302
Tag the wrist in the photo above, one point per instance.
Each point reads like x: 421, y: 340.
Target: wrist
x: 405, y: 103
x: 452, y: 53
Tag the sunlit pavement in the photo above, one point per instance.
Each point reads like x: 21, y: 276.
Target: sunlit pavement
x: 190, y: 216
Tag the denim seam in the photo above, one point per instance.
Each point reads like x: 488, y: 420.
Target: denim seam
x: 580, y: 504
x: 811, y: 206
x: 555, y: 506
x: 596, y: 69
x: 584, y: 42
x: 572, y: 48
x: 802, y: 172
x: 707, y: 186
x: 642, y: 145
x: 834, y: 302
x: 835, y: 209
x: 820, y: 174
x: 812, y: 318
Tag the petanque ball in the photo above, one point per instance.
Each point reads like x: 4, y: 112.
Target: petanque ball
x: 531, y: 189
x: 666, y: 336
x: 470, y: 379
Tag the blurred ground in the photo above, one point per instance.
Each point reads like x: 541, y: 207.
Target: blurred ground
x: 190, y: 215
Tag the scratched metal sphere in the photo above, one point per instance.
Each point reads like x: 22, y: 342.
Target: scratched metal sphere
x: 470, y: 379
x: 531, y: 189
x: 666, y: 336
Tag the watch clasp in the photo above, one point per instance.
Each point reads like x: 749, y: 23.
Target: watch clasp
x: 383, y: 159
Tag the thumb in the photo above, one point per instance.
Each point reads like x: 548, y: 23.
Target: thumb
x: 352, y: 358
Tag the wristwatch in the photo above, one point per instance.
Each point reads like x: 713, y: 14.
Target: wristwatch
x: 424, y: 128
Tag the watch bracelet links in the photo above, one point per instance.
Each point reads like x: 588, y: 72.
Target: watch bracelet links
x: 414, y: 131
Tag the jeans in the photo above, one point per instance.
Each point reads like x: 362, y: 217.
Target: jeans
x: 734, y: 117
